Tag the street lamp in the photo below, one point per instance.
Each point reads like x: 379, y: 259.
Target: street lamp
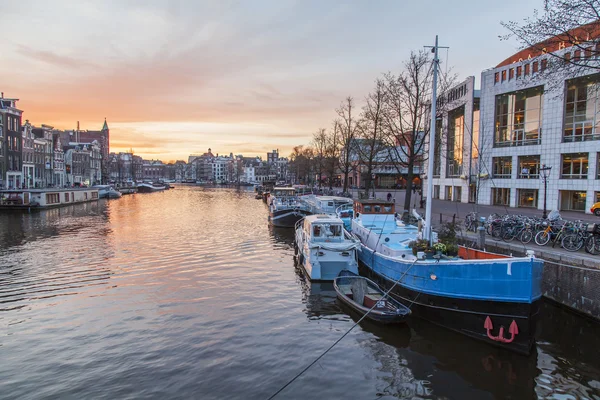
x: 544, y: 174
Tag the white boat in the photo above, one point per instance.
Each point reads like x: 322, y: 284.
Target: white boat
x: 107, y: 192
x: 149, y: 187
x: 37, y: 199
x: 326, y: 204
x: 323, y: 249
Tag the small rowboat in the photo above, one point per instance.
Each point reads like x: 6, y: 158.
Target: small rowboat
x: 351, y: 287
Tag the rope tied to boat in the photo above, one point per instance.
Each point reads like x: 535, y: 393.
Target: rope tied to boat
x: 343, y: 336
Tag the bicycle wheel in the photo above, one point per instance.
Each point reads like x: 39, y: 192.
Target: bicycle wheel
x: 571, y: 242
x: 497, y: 232
x: 592, y: 245
x: 542, y: 238
x: 526, y: 236
x: 508, y: 235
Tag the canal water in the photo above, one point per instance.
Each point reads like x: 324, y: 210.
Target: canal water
x: 189, y: 293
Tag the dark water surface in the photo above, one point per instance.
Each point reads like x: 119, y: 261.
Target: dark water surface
x: 189, y: 294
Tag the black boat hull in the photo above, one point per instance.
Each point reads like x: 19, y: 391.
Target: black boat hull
x: 467, y: 316
x: 287, y: 218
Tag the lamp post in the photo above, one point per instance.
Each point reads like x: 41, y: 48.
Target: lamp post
x: 544, y: 174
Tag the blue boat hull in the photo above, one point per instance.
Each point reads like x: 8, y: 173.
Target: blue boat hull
x: 448, y: 297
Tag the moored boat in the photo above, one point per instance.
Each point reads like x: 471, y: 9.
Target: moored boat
x: 149, y: 187
x: 107, y: 192
x: 323, y: 249
x: 326, y: 204
x: 483, y: 295
x: 365, y: 297
x: 39, y: 199
x: 285, y: 209
x: 128, y: 189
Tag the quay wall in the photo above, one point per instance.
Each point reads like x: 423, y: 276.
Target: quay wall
x: 570, y: 279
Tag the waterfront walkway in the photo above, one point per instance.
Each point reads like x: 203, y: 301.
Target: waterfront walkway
x: 449, y: 208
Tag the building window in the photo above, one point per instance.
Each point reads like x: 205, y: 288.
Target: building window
x: 582, y: 109
x: 534, y: 67
x: 518, y: 118
x: 502, y: 167
x: 503, y: 75
x: 455, y: 139
x: 574, y: 166
x: 437, y: 151
x: 529, y: 167
x: 436, y: 191
x: 497, y: 77
x: 52, y: 198
x: 66, y: 197
x: 501, y: 196
x: 527, y: 197
x: 519, y: 71
x: 526, y: 69
x: 511, y: 73
x: 572, y: 200
x: 475, y: 135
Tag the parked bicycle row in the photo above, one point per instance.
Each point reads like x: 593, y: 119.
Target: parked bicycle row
x: 570, y: 235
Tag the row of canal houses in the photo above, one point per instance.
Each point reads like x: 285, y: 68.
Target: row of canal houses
x: 205, y: 167
x: 40, y: 156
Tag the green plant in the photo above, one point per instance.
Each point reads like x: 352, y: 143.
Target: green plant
x: 439, y: 247
x: 452, y: 249
x: 447, y: 233
x: 419, y: 245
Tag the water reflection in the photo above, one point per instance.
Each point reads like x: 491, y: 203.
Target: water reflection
x: 189, y: 293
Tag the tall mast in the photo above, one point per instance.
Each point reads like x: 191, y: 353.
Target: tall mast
x: 427, y: 230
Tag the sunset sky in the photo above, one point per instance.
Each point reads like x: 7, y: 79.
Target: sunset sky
x: 177, y: 77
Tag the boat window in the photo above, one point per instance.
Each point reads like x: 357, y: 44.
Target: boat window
x: 377, y: 209
x: 330, y: 203
x: 367, y: 209
x: 316, y: 230
x: 335, y: 230
x: 387, y: 208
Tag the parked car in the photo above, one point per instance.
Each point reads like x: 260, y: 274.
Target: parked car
x: 596, y: 209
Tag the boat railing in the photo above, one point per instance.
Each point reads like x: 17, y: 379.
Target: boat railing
x: 297, y: 225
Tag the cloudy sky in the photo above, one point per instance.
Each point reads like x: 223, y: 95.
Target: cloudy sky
x: 177, y: 77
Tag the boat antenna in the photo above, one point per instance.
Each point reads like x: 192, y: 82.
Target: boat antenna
x: 436, y: 62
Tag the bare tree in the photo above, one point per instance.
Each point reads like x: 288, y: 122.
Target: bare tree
x: 561, y: 24
x: 319, y: 143
x: 301, y: 164
x: 348, y: 131
x: 371, y: 144
x: 406, y: 120
x: 332, y: 153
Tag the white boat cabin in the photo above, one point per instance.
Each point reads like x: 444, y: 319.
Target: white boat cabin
x: 323, y: 248
x: 323, y: 229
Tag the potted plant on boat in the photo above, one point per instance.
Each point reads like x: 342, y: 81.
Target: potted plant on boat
x: 452, y: 249
x: 440, y: 248
x: 421, y: 245
x: 447, y: 237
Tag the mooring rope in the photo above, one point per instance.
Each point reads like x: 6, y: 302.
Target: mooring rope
x: 343, y: 336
